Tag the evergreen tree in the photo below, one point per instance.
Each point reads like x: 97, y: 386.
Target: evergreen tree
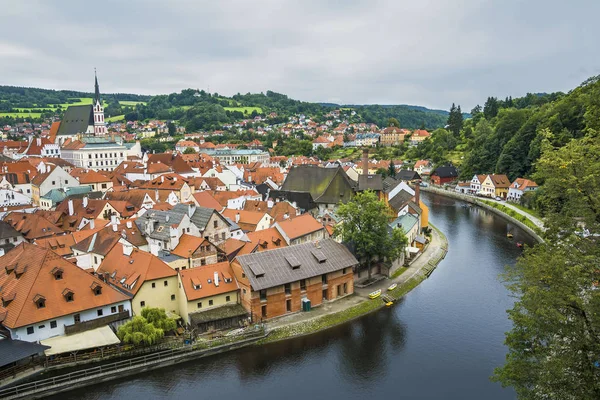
x: 392, y: 169
x: 455, y: 120
x: 490, y: 108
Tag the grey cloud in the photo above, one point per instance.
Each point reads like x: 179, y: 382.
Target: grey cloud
x: 428, y: 52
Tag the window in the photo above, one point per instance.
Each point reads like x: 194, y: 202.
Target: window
x: 345, y: 271
x: 227, y: 298
x: 202, y: 261
x: 113, y: 309
x: 288, y: 288
x: 303, y: 285
x: 54, y: 182
x: 98, y: 290
x: 103, y: 186
x: 324, y: 279
x: 166, y: 283
x: 142, y: 303
x: 172, y: 297
x: 263, y: 294
x: 153, y: 285
x: 210, y: 302
x: 215, y: 224
x: 95, y: 260
x: 263, y: 310
x: 288, y: 305
x: 30, y: 330
x: 77, y: 318
x: 52, y: 324
x: 222, y: 235
x: 200, y: 305
x: 100, y: 312
x: 345, y: 288
x: 66, y: 182
x: 69, y: 296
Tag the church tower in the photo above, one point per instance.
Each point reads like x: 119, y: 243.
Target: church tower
x: 99, y: 124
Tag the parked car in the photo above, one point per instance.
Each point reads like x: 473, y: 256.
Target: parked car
x: 498, y: 198
x: 423, y: 184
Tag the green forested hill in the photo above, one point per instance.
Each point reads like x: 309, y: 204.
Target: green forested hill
x: 505, y: 139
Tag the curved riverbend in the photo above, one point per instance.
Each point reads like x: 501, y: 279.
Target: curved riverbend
x: 442, y: 341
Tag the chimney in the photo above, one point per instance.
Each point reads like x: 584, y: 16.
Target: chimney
x: 162, y: 179
x: 286, y: 216
x: 92, y: 224
x: 418, y: 191
x: 365, y: 162
x: 114, y: 220
x: 115, y: 228
x: 39, y: 141
x: 216, y: 279
x: 237, y: 218
x: 270, y: 203
x: 85, y: 202
x: 127, y: 249
x: 129, y: 224
x: 71, y: 210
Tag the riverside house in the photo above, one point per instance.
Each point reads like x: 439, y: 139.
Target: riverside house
x: 274, y: 282
x: 495, y: 186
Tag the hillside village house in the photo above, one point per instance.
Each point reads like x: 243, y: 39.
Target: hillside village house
x: 44, y: 296
x: 210, y: 224
x: 476, y: 182
x: 209, y: 298
x: 519, y: 187
x: 196, y: 252
x: 274, y: 282
x: 393, y: 136
x: 495, y: 186
x: 96, y: 180
x: 419, y: 136
x: 423, y: 167
x: 170, y: 183
x: 443, y: 175
x: 250, y: 221
x: 144, y: 277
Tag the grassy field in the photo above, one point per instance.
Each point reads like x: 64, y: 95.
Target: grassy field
x: 527, y: 210
x: 131, y: 103
x: 35, y: 112
x: 345, y: 152
x: 21, y: 114
x: 115, y: 118
x: 245, y: 110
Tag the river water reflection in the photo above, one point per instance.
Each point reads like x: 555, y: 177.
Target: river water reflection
x: 442, y: 341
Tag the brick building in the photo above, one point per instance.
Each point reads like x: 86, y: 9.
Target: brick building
x: 274, y: 282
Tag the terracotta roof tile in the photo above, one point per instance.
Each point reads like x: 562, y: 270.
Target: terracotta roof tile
x: 190, y: 278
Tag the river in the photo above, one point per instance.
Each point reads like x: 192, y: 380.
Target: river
x: 442, y: 341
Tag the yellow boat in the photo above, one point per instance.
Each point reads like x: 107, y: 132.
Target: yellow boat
x: 393, y: 286
x: 509, y: 235
x: 389, y: 303
x: 375, y: 294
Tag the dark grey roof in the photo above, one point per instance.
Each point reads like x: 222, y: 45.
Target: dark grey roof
x: 7, y: 231
x: 217, y: 314
x: 326, y: 185
x: 76, y: 120
x: 201, y: 215
x: 161, y: 229
x: 275, y: 265
x: 389, y: 184
x: 445, y: 172
x: 370, y: 182
x: 400, y: 199
x: 303, y: 200
x: 15, y: 350
x: 407, y: 175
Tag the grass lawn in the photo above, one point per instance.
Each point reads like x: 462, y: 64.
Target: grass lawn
x: 399, y: 272
x: 245, y: 110
x: 116, y: 118
x: 456, y: 157
x: 527, y: 210
x: 131, y: 103
x: 345, y: 152
x: 21, y: 114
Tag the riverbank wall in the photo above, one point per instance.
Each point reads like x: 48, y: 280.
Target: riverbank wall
x: 476, y: 201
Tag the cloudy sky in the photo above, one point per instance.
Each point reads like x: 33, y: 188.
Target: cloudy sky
x: 424, y: 52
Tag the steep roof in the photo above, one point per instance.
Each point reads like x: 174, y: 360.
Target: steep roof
x: 500, y: 180
x: 76, y: 120
x: 7, y: 231
x: 274, y: 267
x: 370, y: 182
x: 523, y: 184
x: 266, y: 239
x: 32, y: 226
x: 207, y: 200
x: 35, y: 267
x: 445, y: 172
x: 200, y: 282
x: 100, y: 242
x: 407, y: 175
x: 86, y: 176
x: 326, y: 185
x: 133, y: 269
x: 248, y: 219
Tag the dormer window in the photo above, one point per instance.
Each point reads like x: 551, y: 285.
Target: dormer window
x: 40, y: 301
x: 68, y: 295
x: 96, y: 288
x: 58, y: 273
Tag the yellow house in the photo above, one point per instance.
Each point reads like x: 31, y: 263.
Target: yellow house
x: 495, y: 186
x: 424, y: 215
x: 150, y: 281
x: 209, y: 298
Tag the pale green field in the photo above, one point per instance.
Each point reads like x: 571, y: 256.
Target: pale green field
x: 131, y: 103
x: 115, y: 118
x: 245, y: 110
x: 20, y: 115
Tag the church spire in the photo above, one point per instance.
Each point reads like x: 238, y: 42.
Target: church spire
x: 97, y: 95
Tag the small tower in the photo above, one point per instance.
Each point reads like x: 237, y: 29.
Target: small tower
x: 99, y: 124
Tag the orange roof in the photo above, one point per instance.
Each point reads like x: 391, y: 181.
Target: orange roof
x: 61, y: 245
x: 248, y: 219
x: 36, y: 269
x: 200, y: 282
x: 232, y: 245
x: 139, y: 266
x: 522, y: 183
x: 266, y: 239
x: 206, y: 199
x: 32, y: 226
x: 85, y: 176
x: 420, y: 133
x: 300, y: 226
x: 188, y: 244
x: 500, y: 180
x: 420, y: 163
x: 170, y: 181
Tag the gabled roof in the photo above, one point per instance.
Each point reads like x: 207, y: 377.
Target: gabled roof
x: 326, y: 185
x: 445, y: 172
x: 370, y: 182
x: 406, y: 222
x: 35, y: 267
x: 407, y: 175
x: 248, y: 220
x: 76, y: 120
x: 266, y: 239
x: 500, y: 180
x: 299, y: 226
x: 134, y: 269
x: 200, y: 282
x: 177, y: 164
x: 7, y: 231
x: 32, y: 226
x: 200, y: 215
x: 523, y: 184
x: 400, y: 200
x: 272, y: 268
x: 100, y: 242
x: 87, y: 176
